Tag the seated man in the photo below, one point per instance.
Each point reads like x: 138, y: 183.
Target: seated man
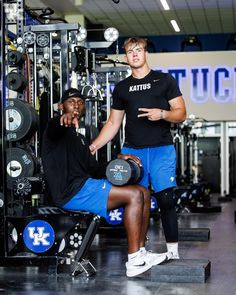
x: 72, y: 174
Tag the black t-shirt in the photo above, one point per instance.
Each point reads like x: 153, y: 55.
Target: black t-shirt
x: 153, y: 91
x: 67, y: 161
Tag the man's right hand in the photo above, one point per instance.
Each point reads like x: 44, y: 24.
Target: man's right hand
x: 69, y: 119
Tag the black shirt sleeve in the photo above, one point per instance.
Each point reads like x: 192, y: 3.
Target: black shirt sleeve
x: 117, y: 103
x: 54, y: 129
x: 172, y: 90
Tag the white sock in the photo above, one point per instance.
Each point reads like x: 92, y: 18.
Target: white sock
x: 132, y: 255
x: 172, y: 247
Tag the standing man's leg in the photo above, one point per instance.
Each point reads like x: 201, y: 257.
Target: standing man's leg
x: 163, y: 179
x: 169, y: 221
x: 144, y: 155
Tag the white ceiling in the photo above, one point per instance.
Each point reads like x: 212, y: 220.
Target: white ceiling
x: 148, y: 18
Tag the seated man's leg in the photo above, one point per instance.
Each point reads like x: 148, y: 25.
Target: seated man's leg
x: 146, y: 215
x: 136, y: 222
x: 98, y: 196
x: 132, y: 199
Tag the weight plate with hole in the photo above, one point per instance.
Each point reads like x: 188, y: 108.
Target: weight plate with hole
x: 16, y: 82
x: 22, y: 120
x: 20, y: 163
x: 15, y: 58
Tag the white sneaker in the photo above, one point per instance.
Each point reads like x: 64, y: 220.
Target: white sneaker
x: 171, y: 255
x: 137, y: 266
x: 172, y: 249
x: 155, y: 258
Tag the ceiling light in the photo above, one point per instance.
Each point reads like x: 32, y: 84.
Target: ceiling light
x: 175, y: 25
x: 82, y: 34
x: 111, y: 34
x: 165, y: 5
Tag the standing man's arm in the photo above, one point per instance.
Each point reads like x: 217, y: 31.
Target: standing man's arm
x: 176, y: 114
x: 108, y: 131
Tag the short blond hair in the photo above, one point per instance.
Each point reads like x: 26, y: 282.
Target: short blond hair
x: 135, y: 41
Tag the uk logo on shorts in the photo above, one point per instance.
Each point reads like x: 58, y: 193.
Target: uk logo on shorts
x: 38, y: 236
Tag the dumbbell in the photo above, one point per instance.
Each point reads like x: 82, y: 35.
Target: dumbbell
x: 121, y: 172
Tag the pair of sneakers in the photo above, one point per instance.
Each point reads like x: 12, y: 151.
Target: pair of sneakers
x: 143, y: 262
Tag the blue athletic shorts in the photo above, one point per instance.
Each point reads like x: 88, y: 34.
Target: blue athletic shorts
x: 92, y: 197
x: 159, y: 166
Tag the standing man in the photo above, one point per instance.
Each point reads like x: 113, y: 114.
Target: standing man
x: 151, y: 101
x: 74, y: 178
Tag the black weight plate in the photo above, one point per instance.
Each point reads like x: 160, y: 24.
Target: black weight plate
x: 137, y: 171
x: 15, y: 58
x: 16, y: 82
x: 22, y: 120
x: 118, y: 172
x: 26, y: 186
x: 20, y: 164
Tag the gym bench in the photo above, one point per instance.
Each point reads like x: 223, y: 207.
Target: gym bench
x: 54, y: 237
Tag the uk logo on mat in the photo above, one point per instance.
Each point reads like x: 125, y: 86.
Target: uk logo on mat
x: 38, y: 236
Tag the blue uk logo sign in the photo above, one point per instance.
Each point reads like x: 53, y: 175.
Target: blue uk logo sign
x: 115, y: 216
x: 153, y: 203
x: 38, y: 236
